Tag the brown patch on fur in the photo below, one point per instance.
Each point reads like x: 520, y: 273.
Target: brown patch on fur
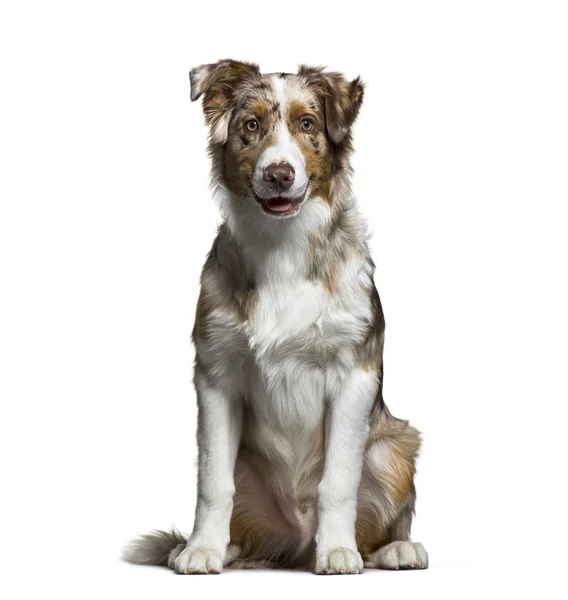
x: 295, y: 111
x: 260, y: 108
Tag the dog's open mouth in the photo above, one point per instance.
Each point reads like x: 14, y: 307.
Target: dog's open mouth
x: 279, y: 206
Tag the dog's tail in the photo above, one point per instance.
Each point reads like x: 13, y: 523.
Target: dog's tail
x: 153, y: 548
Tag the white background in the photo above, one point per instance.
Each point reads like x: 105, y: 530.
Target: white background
x: 106, y: 217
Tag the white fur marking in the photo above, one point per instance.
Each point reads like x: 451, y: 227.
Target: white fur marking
x: 284, y: 150
x: 379, y: 456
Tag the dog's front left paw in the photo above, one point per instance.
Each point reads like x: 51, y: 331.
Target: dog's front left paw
x: 339, y: 561
x: 194, y: 561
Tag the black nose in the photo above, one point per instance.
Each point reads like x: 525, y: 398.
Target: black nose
x: 281, y: 175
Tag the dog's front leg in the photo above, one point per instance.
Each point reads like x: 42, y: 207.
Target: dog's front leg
x: 347, y: 430
x: 219, y: 431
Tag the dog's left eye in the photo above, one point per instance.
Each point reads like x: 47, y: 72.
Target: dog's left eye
x: 252, y: 125
x: 306, y: 124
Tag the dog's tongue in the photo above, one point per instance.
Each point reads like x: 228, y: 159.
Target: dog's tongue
x: 279, y: 204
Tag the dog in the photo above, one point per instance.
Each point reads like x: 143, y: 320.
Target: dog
x: 301, y: 464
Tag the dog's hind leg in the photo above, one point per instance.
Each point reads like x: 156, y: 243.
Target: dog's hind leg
x: 387, y: 497
x: 400, y: 553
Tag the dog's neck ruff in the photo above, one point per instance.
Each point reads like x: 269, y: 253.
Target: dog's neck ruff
x: 283, y: 249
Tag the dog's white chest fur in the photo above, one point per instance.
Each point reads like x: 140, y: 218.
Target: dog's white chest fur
x: 288, y: 348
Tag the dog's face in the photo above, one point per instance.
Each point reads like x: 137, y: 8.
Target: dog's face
x: 279, y: 134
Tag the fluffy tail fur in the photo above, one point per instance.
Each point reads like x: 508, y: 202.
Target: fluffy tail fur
x: 153, y: 548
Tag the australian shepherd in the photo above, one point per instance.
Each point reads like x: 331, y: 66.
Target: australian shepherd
x: 301, y: 464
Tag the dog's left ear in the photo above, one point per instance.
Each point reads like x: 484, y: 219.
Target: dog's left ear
x: 216, y: 83
x: 342, y: 104
x: 342, y: 98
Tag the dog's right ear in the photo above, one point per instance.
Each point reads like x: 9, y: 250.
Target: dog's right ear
x: 216, y: 83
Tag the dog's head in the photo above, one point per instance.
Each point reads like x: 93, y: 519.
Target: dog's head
x: 276, y: 137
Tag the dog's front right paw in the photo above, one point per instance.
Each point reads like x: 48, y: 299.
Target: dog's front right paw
x: 198, y: 560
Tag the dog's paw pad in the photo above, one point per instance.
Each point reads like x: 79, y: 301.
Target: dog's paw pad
x: 198, y: 561
x: 339, y: 561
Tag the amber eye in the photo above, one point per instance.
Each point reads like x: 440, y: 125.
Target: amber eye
x: 252, y: 125
x: 306, y: 124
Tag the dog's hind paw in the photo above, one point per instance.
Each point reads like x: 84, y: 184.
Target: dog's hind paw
x: 194, y: 561
x: 399, y: 556
x: 339, y: 561
x: 174, y: 554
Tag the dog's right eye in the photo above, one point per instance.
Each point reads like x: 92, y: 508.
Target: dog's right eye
x: 252, y: 125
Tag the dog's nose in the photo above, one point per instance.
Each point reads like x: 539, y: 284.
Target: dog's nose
x: 281, y: 174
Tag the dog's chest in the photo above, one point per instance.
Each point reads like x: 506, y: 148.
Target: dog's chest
x: 300, y: 337
x: 298, y: 318
x: 294, y: 321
